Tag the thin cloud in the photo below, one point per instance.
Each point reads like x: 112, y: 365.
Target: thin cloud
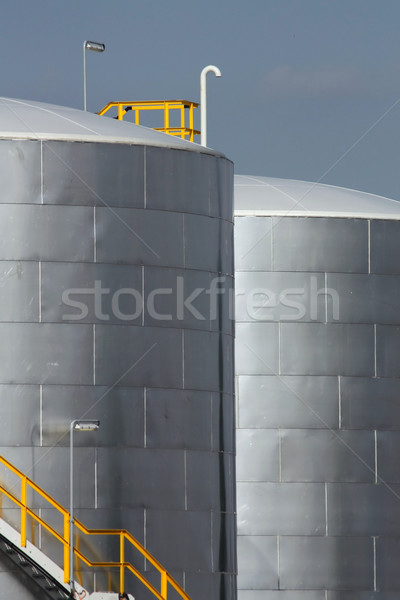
x: 284, y: 81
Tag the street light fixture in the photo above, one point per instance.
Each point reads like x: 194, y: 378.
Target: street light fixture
x: 203, y: 101
x: 76, y: 425
x: 95, y: 47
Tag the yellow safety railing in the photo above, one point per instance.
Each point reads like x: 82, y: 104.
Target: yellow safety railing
x: 183, y: 106
x: 125, y: 539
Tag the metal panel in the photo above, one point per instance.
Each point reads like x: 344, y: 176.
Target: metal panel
x: 280, y: 297
x: 257, y: 455
x: 221, y: 204
x: 15, y: 401
x: 312, y: 455
x: 226, y: 350
x: 224, y: 542
x: 256, y: 348
x: 363, y: 509
x: 332, y: 349
x: 365, y: 298
x: 387, y: 564
x: 107, y: 293
x: 281, y: 508
x: 180, y: 180
x: 20, y: 171
x: 202, y: 243
x: 41, y: 352
x: 177, y: 298
x: 19, y: 291
x: 385, y: 246
x: 210, y: 467
x: 388, y: 445
x: 93, y: 174
x: 326, y: 563
x: 320, y: 244
x: 281, y: 595
x: 48, y: 464
x: 370, y: 403
x: 253, y: 239
x: 226, y: 247
x: 210, y: 585
x: 387, y: 351
x: 181, y: 541
x: 258, y: 562
x: 135, y: 236
x: 221, y: 311
x: 62, y: 233
x: 138, y: 356
x: 120, y: 411
x: 223, y: 434
x: 288, y: 402
x: 177, y: 419
x: 201, y: 351
x: 137, y: 477
x: 362, y: 595
x: 216, y: 255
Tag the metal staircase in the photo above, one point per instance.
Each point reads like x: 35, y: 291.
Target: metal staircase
x: 53, y: 578
x: 46, y: 584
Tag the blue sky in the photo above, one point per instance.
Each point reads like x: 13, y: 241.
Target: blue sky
x: 309, y: 87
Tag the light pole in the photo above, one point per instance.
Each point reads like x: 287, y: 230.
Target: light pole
x: 95, y: 47
x: 203, y: 101
x: 76, y: 425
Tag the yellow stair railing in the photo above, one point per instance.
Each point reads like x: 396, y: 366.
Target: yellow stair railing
x: 125, y: 539
x: 183, y: 106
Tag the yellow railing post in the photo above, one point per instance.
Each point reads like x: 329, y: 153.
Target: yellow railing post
x: 183, y: 121
x: 66, y: 547
x: 164, y: 584
x: 120, y: 112
x: 166, y: 116
x: 23, y: 512
x: 78, y: 569
x: 191, y: 121
x: 121, y: 562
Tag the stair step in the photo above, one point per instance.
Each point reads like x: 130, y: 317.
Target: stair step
x: 49, y: 585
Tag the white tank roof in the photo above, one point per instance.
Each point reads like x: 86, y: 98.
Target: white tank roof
x: 287, y: 197
x: 22, y: 119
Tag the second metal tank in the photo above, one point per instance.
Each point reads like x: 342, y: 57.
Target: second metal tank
x: 318, y: 388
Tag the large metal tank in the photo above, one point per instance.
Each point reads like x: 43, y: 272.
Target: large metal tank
x: 113, y: 241
x: 318, y: 387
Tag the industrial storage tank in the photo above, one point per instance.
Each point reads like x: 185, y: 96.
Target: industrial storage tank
x: 317, y: 273
x: 115, y: 264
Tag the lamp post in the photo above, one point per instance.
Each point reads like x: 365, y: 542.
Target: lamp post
x: 95, y: 47
x: 203, y: 101
x: 76, y: 425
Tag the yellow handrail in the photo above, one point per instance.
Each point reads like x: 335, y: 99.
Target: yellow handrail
x: 165, y: 106
x: 124, y: 536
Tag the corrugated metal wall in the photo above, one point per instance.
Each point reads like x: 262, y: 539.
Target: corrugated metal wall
x: 318, y: 411
x: 74, y: 216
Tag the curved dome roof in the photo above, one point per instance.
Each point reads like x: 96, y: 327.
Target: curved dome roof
x: 24, y: 119
x: 288, y: 197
